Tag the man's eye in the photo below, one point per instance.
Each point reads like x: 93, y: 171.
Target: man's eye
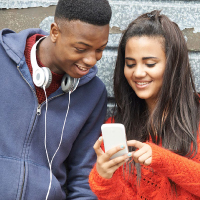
x: 100, y: 50
x: 79, y: 50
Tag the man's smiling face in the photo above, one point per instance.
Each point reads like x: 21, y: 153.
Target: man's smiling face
x: 78, y: 46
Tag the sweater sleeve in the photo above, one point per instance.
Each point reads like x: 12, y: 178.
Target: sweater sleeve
x: 114, y: 188
x: 183, y: 171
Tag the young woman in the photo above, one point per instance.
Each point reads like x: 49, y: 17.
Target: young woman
x: 159, y: 106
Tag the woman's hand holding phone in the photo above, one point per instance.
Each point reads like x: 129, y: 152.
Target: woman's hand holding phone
x: 116, y: 150
x: 105, y: 165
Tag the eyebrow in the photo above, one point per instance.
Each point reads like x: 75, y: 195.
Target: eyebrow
x: 90, y: 45
x: 144, y: 58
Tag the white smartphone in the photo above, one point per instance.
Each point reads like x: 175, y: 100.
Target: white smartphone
x: 114, y: 135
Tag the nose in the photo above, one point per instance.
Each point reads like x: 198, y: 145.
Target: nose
x: 90, y: 59
x: 139, y: 71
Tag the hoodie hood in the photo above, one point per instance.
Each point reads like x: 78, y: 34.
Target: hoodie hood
x: 14, y: 45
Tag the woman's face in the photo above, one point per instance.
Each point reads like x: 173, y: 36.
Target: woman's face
x: 145, y: 62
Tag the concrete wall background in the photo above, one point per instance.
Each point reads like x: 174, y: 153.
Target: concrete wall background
x: 39, y: 13
x: 26, y: 3
x: 20, y: 19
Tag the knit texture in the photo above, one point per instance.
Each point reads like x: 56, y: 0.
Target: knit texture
x: 154, y: 183
x: 56, y: 78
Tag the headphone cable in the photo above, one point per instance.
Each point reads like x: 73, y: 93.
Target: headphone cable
x: 45, y: 140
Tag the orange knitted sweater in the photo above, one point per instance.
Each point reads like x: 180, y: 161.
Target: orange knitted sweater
x: 154, y: 183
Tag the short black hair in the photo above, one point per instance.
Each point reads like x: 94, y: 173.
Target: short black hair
x: 96, y: 12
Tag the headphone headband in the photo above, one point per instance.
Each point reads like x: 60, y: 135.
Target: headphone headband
x: 42, y: 76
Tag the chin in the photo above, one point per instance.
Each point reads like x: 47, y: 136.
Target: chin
x: 143, y: 96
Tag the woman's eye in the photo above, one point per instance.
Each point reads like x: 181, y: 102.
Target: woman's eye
x: 151, y: 65
x: 131, y: 65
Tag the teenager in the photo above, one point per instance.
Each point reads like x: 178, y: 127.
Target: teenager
x: 159, y: 106
x: 39, y: 135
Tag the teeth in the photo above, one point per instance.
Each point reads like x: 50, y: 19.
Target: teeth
x: 142, y: 83
x: 82, y: 68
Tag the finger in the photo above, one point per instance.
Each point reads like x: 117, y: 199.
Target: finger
x: 108, y: 172
x: 144, y: 157
x: 107, y: 168
x: 148, y: 161
x: 139, y: 153
x: 118, y: 160
x: 146, y: 148
x: 97, y: 146
x: 135, y: 143
x: 114, y: 168
x: 113, y: 150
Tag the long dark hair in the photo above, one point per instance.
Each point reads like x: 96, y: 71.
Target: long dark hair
x: 175, y: 119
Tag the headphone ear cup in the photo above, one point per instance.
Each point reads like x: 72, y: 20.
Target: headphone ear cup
x: 38, y: 77
x: 68, y: 83
x: 48, y: 76
x: 42, y: 77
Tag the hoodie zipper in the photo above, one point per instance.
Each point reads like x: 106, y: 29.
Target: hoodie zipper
x: 37, y: 113
x: 39, y: 110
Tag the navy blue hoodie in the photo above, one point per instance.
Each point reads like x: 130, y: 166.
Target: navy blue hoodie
x: 24, y: 170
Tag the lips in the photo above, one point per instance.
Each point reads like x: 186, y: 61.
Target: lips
x: 142, y: 84
x: 82, y: 68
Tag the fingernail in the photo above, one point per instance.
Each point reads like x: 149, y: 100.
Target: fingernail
x: 100, y: 138
x: 129, y: 154
x: 122, y: 146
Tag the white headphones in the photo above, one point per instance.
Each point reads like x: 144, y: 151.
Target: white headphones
x: 42, y: 76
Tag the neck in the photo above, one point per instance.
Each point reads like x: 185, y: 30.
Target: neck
x: 42, y: 52
x: 45, y: 54
x: 151, y: 105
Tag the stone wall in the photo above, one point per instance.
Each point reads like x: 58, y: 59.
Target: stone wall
x: 39, y: 13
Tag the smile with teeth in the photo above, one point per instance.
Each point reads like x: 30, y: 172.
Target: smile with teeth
x: 143, y: 83
x: 81, y: 68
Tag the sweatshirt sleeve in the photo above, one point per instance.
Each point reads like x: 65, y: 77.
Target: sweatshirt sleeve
x: 183, y: 171
x: 114, y: 188
x: 82, y: 156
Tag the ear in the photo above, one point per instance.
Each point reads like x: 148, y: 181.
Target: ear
x: 54, y: 32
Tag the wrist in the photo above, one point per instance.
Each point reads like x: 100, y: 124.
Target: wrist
x: 103, y: 174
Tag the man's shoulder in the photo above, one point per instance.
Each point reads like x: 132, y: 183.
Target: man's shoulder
x: 97, y: 84
x: 92, y: 91
x: 14, y: 43
x: 92, y: 79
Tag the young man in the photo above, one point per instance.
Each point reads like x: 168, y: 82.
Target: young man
x: 36, y: 137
